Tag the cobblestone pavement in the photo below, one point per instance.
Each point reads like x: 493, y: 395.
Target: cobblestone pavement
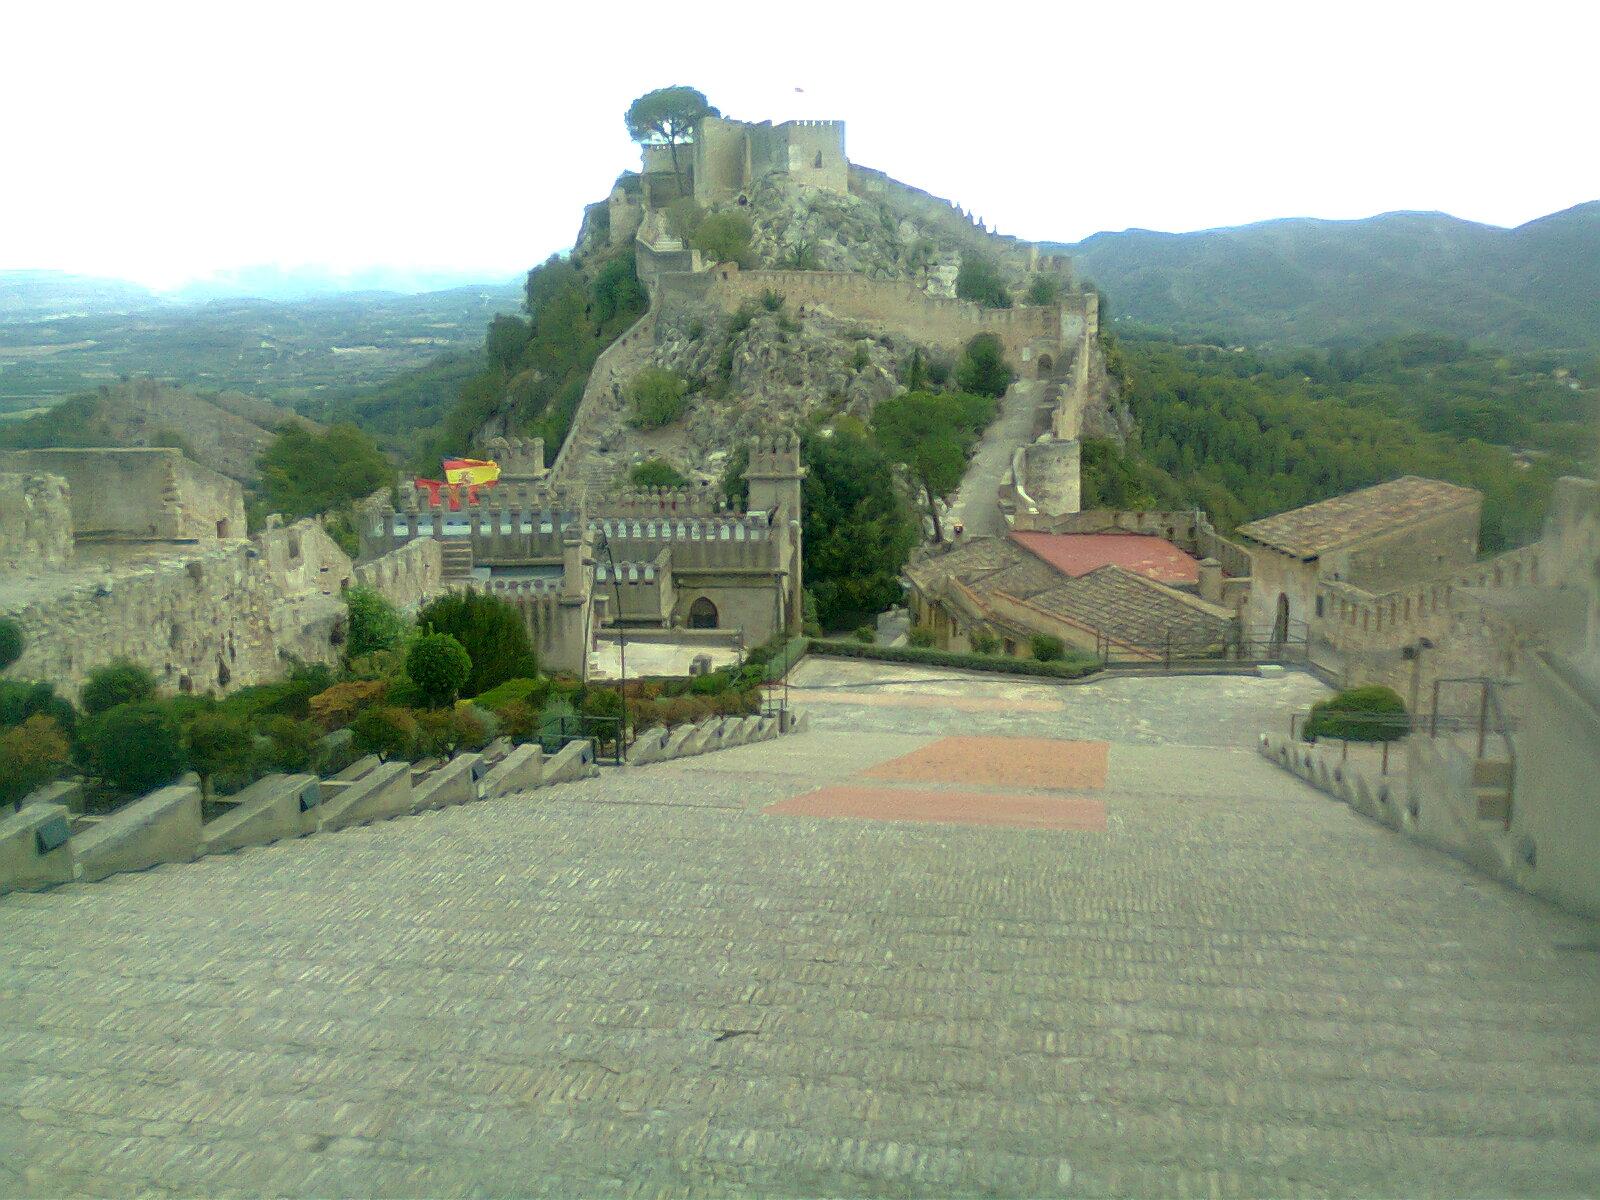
x: 644, y: 985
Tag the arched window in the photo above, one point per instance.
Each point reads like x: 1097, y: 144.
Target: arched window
x: 818, y: 163
x: 702, y: 614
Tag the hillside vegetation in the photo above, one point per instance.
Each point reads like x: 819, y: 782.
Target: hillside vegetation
x: 1308, y: 282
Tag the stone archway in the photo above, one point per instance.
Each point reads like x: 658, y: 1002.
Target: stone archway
x: 1046, y: 364
x: 702, y: 614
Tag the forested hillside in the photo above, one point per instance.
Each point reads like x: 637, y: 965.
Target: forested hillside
x: 1307, y: 282
x: 1242, y: 434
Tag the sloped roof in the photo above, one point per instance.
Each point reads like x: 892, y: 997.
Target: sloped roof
x: 1130, y: 608
x: 1384, y: 508
x: 1079, y: 553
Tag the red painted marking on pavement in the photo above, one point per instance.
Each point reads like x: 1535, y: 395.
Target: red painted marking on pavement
x: 1002, y: 762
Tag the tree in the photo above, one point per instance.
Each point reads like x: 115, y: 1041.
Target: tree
x: 375, y: 624
x: 293, y: 744
x: 929, y: 435
x: 1044, y: 289
x: 668, y: 115
x: 10, y: 642
x: 120, y: 682
x: 493, y: 633
x: 980, y: 280
x: 684, y: 218
x: 1047, y: 647
x: 20, y: 700
x: 983, y: 369
x: 725, y: 237
x: 657, y: 473
x: 387, y: 732
x: 133, y: 747
x: 304, y: 473
x: 31, y: 755
x: 439, y: 666
x: 217, y: 743
x: 658, y: 397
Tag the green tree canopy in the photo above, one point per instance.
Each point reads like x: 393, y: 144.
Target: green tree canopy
x: 10, y: 642
x: 980, y: 280
x: 375, y: 624
x: 659, y: 473
x: 32, y: 753
x: 668, y: 115
x: 492, y: 632
x: 133, y: 747
x: 439, y: 666
x: 390, y: 733
x: 120, y: 682
x: 983, y: 369
x: 217, y: 743
x: 304, y: 473
x: 725, y: 237
x: 658, y: 397
x: 930, y: 435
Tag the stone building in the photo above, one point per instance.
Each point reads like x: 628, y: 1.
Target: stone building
x: 1306, y: 563
x: 1120, y: 595
x: 142, y: 554
x: 669, y: 564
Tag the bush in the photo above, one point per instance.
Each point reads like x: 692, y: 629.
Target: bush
x: 32, y: 753
x: 920, y: 636
x: 1364, y: 714
x: 20, y: 700
x: 519, y: 720
x: 133, y: 747
x: 980, y: 280
x: 217, y: 744
x: 657, y: 472
x: 515, y: 691
x: 375, y: 624
x: 388, y: 732
x: 984, y: 642
x: 1073, y: 667
x: 983, y: 369
x: 288, y: 697
x: 867, y: 634
x: 657, y: 397
x: 1047, y: 647
x: 10, y: 642
x: 493, y: 633
x: 1044, y: 289
x: 445, y: 732
x: 439, y: 666
x: 343, y: 702
x: 725, y: 237
x: 771, y: 301
x: 121, y: 682
x: 292, y: 744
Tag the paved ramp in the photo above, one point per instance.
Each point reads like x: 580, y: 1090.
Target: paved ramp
x: 694, y: 980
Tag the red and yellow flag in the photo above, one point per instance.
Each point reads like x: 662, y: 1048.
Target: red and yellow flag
x: 470, y: 470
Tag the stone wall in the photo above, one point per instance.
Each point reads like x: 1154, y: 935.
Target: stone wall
x: 407, y: 577
x: 139, y: 494
x: 1425, y: 550
x: 35, y: 522
x: 1051, y: 471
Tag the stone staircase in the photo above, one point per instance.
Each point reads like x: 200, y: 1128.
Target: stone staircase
x: 581, y: 462
x: 457, y: 554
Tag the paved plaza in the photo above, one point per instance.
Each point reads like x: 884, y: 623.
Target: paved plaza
x: 964, y: 937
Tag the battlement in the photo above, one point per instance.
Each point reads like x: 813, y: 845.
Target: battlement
x: 519, y: 458
x: 700, y: 499
x: 776, y: 458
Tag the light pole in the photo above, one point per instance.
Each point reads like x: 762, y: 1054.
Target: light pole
x: 604, y: 543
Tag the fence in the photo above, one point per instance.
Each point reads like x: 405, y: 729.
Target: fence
x: 604, y: 733
x: 1184, y: 648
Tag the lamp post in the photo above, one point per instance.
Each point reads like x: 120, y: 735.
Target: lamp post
x: 604, y: 543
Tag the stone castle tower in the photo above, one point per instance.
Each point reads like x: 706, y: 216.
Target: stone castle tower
x: 775, y: 475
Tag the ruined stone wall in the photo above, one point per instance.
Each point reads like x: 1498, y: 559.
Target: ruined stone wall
x: 407, y: 577
x: 893, y: 305
x: 1051, y: 471
x: 139, y: 494
x: 35, y: 522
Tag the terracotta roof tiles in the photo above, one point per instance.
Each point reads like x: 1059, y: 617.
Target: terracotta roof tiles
x: 1328, y: 524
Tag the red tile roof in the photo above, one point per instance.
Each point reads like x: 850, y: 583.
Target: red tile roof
x: 1077, y: 554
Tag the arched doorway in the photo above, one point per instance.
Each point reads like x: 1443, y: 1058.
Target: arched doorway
x: 702, y: 614
x: 1046, y: 365
x: 1280, y: 627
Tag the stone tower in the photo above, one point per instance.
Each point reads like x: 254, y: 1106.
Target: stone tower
x: 774, y: 475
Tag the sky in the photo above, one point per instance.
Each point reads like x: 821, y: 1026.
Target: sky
x: 165, y: 141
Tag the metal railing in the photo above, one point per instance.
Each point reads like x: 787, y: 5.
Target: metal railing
x: 1176, y: 649
x: 604, y: 733
x: 1489, y: 724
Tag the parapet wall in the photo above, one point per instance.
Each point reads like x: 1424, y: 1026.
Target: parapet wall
x: 407, y: 577
x: 139, y: 494
x: 35, y: 522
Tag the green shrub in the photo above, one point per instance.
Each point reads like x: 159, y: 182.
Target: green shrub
x: 1044, y: 289
x: 343, y: 702
x: 982, y: 369
x: 10, y: 642
x: 867, y: 634
x: 20, y: 700
x: 919, y: 636
x: 771, y: 301
x: 979, y: 279
x: 657, y: 397
x: 375, y: 624
x: 217, y: 744
x: 1363, y: 714
x: 120, y: 682
x: 515, y: 691
x: 287, y: 697
x: 519, y: 720
x: 551, y: 718
x: 439, y: 666
x: 1072, y: 667
x: 1047, y: 647
x: 389, y: 733
x: 725, y: 237
x: 984, y: 642
x: 445, y: 732
x: 657, y: 472
x: 493, y: 633
x: 133, y: 747
x: 292, y: 744
x: 32, y: 753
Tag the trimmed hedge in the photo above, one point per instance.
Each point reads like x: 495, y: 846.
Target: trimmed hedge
x: 1372, y: 713
x: 1070, y: 668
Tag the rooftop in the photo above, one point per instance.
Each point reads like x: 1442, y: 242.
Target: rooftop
x: 1078, y: 554
x: 1384, y: 508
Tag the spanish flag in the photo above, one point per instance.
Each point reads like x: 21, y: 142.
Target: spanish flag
x: 470, y: 470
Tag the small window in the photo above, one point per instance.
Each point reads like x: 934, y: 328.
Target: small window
x: 1319, y: 606
x: 1011, y: 648
x: 818, y: 162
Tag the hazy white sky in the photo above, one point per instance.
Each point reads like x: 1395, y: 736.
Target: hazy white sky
x: 161, y: 140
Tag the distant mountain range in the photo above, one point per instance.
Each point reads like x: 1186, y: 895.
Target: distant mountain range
x: 1311, y: 282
